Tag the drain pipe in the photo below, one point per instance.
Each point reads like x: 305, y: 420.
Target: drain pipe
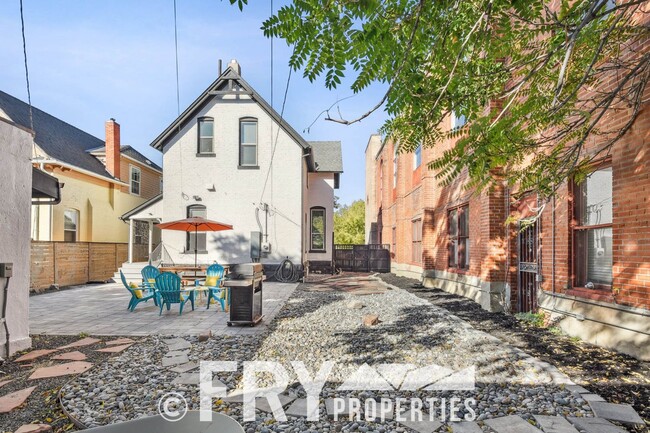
x: 4, y: 315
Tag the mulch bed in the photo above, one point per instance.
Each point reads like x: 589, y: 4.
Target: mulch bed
x: 42, y: 406
x: 618, y: 378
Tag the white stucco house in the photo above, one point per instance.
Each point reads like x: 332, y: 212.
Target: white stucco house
x: 230, y: 157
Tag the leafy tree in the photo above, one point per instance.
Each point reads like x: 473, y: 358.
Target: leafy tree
x: 528, y: 76
x: 349, y: 223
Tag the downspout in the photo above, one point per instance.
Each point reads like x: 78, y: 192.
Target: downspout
x: 553, y: 247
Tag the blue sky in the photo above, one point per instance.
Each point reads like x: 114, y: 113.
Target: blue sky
x: 90, y: 61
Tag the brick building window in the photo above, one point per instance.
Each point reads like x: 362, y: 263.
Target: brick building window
x: 206, y: 135
x: 416, y: 246
x: 457, y: 120
x: 393, y: 242
x: 458, y: 228
x: 592, y: 230
x: 417, y: 157
x: 395, y: 155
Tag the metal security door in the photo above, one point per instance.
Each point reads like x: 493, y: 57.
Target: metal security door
x: 527, y: 280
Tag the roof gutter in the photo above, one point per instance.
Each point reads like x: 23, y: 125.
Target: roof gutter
x: 80, y: 170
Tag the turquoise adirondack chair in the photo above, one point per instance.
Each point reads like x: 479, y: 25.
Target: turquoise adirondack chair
x: 149, y: 273
x: 214, y: 281
x: 168, y: 290
x: 138, y: 294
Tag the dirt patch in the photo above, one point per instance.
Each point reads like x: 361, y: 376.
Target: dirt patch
x: 616, y: 377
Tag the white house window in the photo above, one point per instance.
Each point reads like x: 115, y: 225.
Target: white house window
x: 317, y: 229
x: 196, y: 240
x: 135, y: 176
x: 70, y: 225
x: 417, y: 157
x: 206, y: 135
x: 457, y: 120
x: 248, y: 142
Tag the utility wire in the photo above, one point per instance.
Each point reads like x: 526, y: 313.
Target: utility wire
x: 29, y: 94
x: 178, y: 92
x: 275, y: 144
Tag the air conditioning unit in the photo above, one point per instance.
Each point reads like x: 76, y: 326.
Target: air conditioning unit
x: 266, y: 247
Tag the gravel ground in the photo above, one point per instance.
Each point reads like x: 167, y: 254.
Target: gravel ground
x: 616, y: 377
x: 318, y: 326
x: 42, y: 405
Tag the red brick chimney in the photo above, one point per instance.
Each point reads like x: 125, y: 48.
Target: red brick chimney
x: 113, y: 147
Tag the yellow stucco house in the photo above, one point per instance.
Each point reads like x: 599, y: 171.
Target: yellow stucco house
x: 101, y: 180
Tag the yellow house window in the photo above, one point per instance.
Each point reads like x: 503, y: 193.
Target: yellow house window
x: 70, y: 225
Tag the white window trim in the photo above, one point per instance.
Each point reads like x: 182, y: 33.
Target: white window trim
x: 454, y: 121
x: 415, y: 157
x: 198, y: 133
x: 76, y: 226
x: 242, y: 144
x: 132, y: 169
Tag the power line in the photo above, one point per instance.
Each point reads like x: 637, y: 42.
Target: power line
x: 29, y: 94
x: 275, y: 144
x: 178, y: 92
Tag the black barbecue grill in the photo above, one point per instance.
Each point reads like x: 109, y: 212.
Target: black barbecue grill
x: 245, y: 284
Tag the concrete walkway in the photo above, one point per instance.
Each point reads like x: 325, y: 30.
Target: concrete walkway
x: 101, y: 310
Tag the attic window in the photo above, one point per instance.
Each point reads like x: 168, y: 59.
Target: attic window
x: 206, y: 135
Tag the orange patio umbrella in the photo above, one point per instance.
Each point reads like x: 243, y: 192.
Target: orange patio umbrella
x: 195, y: 224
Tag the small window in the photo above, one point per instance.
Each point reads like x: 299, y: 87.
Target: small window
x: 196, y: 241
x: 206, y: 135
x: 70, y: 225
x: 248, y: 143
x: 417, y: 157
x: 395, y: 166
x: 318, y: 229
x: 135, y: 176
x: 458, y: 221
x: 161, y: 185
x: 416, y: 246
x: 593, y: 230
x: 457, y: 121
x: 393, y: 246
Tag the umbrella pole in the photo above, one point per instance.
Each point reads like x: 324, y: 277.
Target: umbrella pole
x: 196, y: 245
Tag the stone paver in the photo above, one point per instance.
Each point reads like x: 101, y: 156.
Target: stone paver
x: 181, y: 345
x: 70, y: 356
x: 334, y: 412
x: 35, y: 354
x: 592, y: 397
x: 423, y: 425
x: 578, y: 389
x: 79, y: 343
x: 465, y: 427
x: 101, y: 310
x: 511, y: 424
x: 34, y: 428
x: 120, y: 341
x: 595, y: 425
x: 183, y: 368
x: 263, y: 404
x: 4, y: 382
x: 554, y: 424
x: 298, y: 408
x: 75, y: 367
x: 622, y: 413
x: 11, y: 401
x: 174, y: 358
x: 114, y: 349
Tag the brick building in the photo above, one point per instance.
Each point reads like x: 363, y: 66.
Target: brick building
x: 586, y: 261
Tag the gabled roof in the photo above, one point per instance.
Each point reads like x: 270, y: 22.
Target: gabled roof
x: 58, y: 139
x: 216, y: 88
x: 327, y: 156
x: 128, y: 150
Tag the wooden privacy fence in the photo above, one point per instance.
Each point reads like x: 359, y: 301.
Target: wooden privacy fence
x: 70, y: 263
x: 362, y: 258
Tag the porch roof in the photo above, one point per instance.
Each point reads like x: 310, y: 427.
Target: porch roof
x: 149, y: 210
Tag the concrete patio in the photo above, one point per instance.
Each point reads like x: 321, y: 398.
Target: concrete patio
x: 101, y: 310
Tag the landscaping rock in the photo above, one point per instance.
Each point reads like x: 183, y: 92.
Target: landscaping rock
x: 204, y: 336
x: 370, y: 320
x: 355, y: 305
